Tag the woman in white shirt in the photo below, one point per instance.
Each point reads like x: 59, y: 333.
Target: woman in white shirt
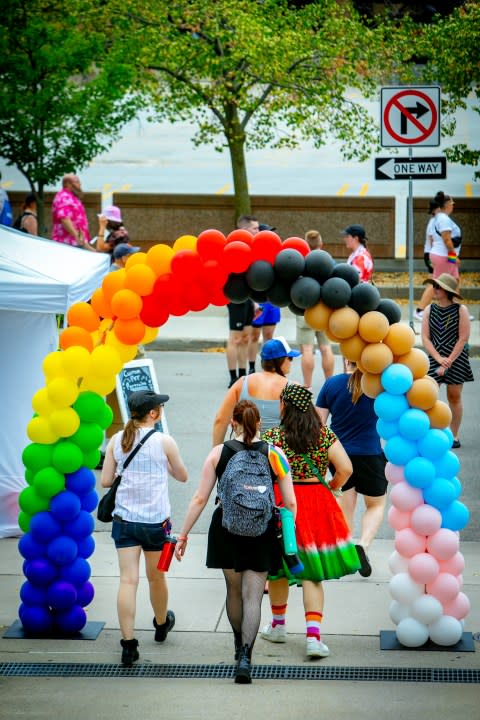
x: 446, y: 239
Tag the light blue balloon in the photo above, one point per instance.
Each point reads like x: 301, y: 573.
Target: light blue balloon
x: 448, y: 465
x: 449, y: 434
x: 400, y: 451
x: 386, y: 429
x: 455, y: 516
x: 419, y: 472
x: 414, y: 424
x: 389, y: 407
x: 439, y: 494
x: 456, y: 484
x: 434, y: 444
x: 397, y: 379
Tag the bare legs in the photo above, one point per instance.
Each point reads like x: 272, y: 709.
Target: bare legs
x: 308, y: 362
x: 237, y: 347
x: 267, y: 332
x: 157, y: 582
x: 328, y: 360
x: 454, y: 397
x: 371, y: 518
x: 128, y: 560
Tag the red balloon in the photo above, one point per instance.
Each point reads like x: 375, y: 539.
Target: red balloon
x: 214, y: 274
x: 217, y: 297
x: 154, y: 311
x: 237, y: 257
x: 176, y: 301
x: 196, y: 296
x: 266, y: 246
x: 210, y: 244
x: 163, y: 287
x: 297, y: 244
x: 240, y: 235
x: 187, y: 264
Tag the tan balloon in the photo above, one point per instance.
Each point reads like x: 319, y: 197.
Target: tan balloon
x: 440, y: 415
x: 371, y: 385
x: 400, y: 338
x: 317, y: 316
x: 416, y: 360
x: 331, y: 336
x: 376, y: 357
x: 344, y: 322
x: 373, y: 326
x: 352, y: 348
x: 423, y: 394
x: 362, y: 369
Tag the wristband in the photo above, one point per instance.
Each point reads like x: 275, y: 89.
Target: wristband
x: 452, y: 257
x: 182, y: 537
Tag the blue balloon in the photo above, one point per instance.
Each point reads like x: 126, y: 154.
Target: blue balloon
x: 449, y: 434
x: 86, y: 546
x: 439, y: 494
x: 90, y: 501
x: 61, y: 595
x: 85, y: 594
x: 32, y: 594
x: 83, y: 525
x: 414, y: 424
x: 44, y: 527
x: 62, y: 551
x: 419, y: 472
x: 455, y: 516
x: 457, y: 485
x: 65, y: 506
x: 29, y: 548
x: 40, y: 571
x: 389, y: 407
x: 70, y: 621
x: 434, y: 444
x: 447, y: 465
x: 36, y: 619
x: 80, y: 482
x: 386, y: 429
x: 397, y: 379
x: 77, y: 573
x: 400, y: 451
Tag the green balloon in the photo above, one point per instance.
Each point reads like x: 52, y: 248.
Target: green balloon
x: 67, y: 457
x: 105, y: 419
x: 24, y: 521
x: 91, y: 459
x: 89, y: 406
x: 49, y: 482
x: 89, y: 436
x: 31, y: 502
x: 36, y: 456
x: 29, y: 475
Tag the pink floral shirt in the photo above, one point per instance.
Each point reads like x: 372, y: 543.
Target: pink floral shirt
x: 67, y: 205
x: 362, y: 261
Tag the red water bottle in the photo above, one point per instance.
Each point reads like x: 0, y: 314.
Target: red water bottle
x: 167, y: 553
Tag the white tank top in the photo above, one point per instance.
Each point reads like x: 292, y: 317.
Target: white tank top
x: 142, y: 495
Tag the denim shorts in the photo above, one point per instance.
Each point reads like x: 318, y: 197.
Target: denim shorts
x: 150, y: 536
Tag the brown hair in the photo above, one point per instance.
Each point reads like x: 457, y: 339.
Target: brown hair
x: 246, y: 414
x: 314, y: 239
x: 302, y: 429
x: 130, y: 431
x: 355, y: 386
x: 274, y: 365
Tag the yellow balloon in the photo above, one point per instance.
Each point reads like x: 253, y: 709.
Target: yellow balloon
x: 137, y: 258
x: 159, y: 258
x: 64, y: 422
x: 76, y: 361
x: 185, y: 242
x: 100, y: 385
x: 150, y: 335
x: 40, y: 431
x: 52, y: 364
x: 62, y: 392
x: 41, y: 403
x: 105, y: 361
x: 126, y: 352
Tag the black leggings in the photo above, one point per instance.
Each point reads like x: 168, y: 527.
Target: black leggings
x: 244, y: 602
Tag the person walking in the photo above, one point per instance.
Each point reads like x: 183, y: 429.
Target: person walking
x: 445, y: 335
x: 27, y: 221
x: 360, y: 258
x: 141, y: 519
x: 446, y: 238
x: 427, y: 295
x: 354, y: 422
x: 323, y: 539
x: 70, y: 224
x: 243, y: 559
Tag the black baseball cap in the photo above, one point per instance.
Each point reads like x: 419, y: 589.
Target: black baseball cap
x: 264, y: 226
x: 142, y: 401
x: 355, y: 230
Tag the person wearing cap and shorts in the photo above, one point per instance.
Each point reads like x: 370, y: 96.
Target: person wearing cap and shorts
x: 262, y: 388
x: 360, y: 258
x: 141, y: 518
x: 120, y: 255
x: 111, y: 231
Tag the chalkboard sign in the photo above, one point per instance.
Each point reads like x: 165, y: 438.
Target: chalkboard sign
x: 138, y: 375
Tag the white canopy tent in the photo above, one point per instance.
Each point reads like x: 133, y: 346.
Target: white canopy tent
x: 38, y: 279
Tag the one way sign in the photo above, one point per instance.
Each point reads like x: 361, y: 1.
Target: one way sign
x: 425, y: 168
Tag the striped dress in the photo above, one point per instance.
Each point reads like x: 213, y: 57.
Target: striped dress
x: 444, y: 324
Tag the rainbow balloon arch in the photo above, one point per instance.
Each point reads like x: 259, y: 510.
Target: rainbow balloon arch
x: 71, y: 415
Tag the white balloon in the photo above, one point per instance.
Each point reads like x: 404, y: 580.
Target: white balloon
x: 398, y: 611
x: 411, y: 633
x: 426, y: 609
x: 446, y: 631
x: 397, y: 563
x: 404, y: 589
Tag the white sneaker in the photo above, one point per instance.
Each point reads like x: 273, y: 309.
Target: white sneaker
x: 316, y: 648
x: 472, y: 317
x: 277, y: 634
x: 418, y: 315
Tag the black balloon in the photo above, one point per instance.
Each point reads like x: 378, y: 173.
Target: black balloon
x: 295, y: 309
x: 347, y: 272
x: 391, y: 310
x: 236, y: 288
x: 365, y: 297
x: 305, y: 292
x: 319, y: 264
x: 279, y: 294
x: 260, y: 275
x: 259, y: 296
x: 336, y: 293
x: 289, y: 265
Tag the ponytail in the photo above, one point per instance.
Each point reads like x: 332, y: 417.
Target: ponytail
x: 246, y: 414
x: 128, y: 435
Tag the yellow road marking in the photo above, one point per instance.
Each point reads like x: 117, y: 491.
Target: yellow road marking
x: 363, y: 190
x: 343, y: 189
x: 468, y: 190
x: 223, y: 189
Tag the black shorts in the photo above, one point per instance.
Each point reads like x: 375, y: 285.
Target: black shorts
x: 150, y: 536
x: 240, y: 315
x: 368, y: 477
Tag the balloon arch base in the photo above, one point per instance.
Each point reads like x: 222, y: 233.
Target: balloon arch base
x: 90, y: 631
x: 389, y: 641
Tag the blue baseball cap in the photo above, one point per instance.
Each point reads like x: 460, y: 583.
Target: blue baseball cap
x: 277, y: 348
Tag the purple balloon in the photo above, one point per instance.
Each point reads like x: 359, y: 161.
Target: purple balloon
x: 40, y: 571
x: 85, y: 594
x: 71, y: 621
x: 61, y: 595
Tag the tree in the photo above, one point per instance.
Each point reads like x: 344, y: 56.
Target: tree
x: 258, y: 73
x: 64, y: 95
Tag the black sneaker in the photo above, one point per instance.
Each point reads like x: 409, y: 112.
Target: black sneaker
x: 161, y: 631
x: 243, y: 674
x: 129, y: 652
x: 456, y: 444
x: 366, y: 568
x: 232, y: 382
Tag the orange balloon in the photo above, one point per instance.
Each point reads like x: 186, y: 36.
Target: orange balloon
x: 343, y: 322
x: 138, y: 258
x: 140, y: 278
x: 352, y: 348
x: 416, y: 360
x: 371, y: 385
x: 331, y: 336
x: 74, y: 335
x: 423, y: 394
x: 129, y: 332
x: 126, y: 304
x: 362, y: 369
x: 400, y: 338
x: 159, y: 258
x: 373, y: 326
x: 376, y: 357
x: 440, y: 415
x: 317, y: 316
x: 83, y: 315
x: 126, y: 352
x: 100, y: 303
x: 113, y: 282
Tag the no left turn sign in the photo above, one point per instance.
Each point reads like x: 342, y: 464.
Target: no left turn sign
x: 410, y: 116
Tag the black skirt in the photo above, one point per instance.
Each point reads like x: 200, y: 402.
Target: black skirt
x: 235, y: 552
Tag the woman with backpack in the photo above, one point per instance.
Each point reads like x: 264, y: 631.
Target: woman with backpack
x: 244, y: 545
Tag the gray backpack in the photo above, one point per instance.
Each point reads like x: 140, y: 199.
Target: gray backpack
x: 245, y: 491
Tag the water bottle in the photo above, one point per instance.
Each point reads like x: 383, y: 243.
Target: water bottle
x: 288, y: 531
x: 293, y: 563
x: 167, y: 553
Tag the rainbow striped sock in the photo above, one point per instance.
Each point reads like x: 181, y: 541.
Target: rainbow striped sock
x: 313, y: 620
x: 278, y: 615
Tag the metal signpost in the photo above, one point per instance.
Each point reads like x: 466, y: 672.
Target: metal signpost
x: 410, y: 117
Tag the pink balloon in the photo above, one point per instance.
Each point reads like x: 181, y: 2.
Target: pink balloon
x: 445, y: 587
x: 459, y: 607
x: 423, y: 568
x: 426, y: 520
x: 408, y: 543
x: 405, y: 497
x: 455, y: 565
x: 397, y: 519
x: 443, y: 544
x: 394, y: 473
x: 460, y: 581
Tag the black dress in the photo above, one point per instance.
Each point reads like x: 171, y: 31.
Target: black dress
x: 225, y: 550
x: 444, y: 324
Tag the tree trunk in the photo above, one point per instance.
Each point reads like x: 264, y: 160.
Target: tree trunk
x: 42, y: 229
x: 236, y: 145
